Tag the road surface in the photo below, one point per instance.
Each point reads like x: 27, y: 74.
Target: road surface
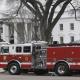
x: 32, y: 76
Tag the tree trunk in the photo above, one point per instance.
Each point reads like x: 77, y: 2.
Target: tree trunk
x: 45, y: 35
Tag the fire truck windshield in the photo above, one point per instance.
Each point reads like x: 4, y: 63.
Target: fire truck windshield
x: 5, y: 49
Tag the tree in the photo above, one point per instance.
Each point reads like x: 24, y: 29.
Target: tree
x: 75, y: 10
x: 45, y: 14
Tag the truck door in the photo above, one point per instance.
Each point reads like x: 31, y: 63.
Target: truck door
x: 3, y: 56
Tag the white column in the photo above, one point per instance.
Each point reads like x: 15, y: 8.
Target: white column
x: 5, y: 34
x: 15, y: 34
x: 26, y: 33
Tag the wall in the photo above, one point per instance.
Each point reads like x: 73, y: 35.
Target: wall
x: 66, y: 33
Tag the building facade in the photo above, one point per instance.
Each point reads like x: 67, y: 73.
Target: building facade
x: 16, y: 32
x: 67, y: 30
x: 18, y: 29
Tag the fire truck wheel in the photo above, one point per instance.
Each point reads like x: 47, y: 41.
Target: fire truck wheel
x: 14, y: 68
x: 62, y: 69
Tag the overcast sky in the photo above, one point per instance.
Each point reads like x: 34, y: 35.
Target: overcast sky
x: 4, y: 6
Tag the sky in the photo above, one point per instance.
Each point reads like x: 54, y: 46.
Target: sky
x: 4, y: 6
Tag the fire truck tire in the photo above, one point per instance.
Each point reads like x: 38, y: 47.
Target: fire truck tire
x: 40, y: 71
x: 62, y: 69
x: 14, y: 68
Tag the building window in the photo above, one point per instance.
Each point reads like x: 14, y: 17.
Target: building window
x: 11, y: 39
x: 61, y: 40
x: 72, y: 26
x: 61, y: 26
x: 72, y: 38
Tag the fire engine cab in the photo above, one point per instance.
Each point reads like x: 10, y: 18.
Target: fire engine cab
x: 40, y: 58
x: 28, y: 56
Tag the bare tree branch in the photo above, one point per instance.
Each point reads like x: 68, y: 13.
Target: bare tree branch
x: 19, y: 6
x: 58, y: 16
x: 53, y: 10
x: 34, y: 9
x: 34, y: 4
x: 41, y: 6
x: 74, y: 11
x: 46, y: 14
x: 47, y: 8
x: 30, y: 8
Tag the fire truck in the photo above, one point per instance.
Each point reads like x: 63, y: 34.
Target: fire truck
x: 40, y: 58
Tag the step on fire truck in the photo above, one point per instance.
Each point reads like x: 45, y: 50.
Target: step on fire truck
x: 40, y: 58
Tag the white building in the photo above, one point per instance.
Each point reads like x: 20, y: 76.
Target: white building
x: 67, y: 29
x: 17, y: 29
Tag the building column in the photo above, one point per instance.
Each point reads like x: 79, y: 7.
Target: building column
x: 26, y: 33
x: 15, y: 34
x: 5, y: 35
